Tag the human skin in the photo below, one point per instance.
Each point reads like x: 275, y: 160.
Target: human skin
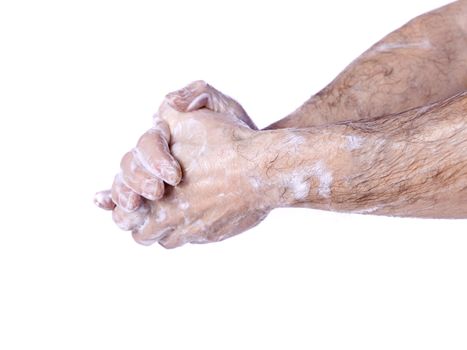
x: 409, y: 164
x: 420, y: 63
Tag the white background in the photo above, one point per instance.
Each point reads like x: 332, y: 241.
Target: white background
x: 79, y: 81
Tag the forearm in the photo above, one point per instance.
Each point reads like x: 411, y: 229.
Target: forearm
x: 413, y: 164
x: 422, y: 62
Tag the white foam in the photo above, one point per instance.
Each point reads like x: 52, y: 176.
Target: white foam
x: 354, y: 142
x: 161, y: 214
x: 424, y: 44
x: 366, y: 211
x: 299, y: 181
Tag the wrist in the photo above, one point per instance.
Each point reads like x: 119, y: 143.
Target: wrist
x: 300, y: 167
x: 264, y: 154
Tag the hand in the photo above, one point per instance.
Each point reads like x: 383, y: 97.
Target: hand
x: 154, y: 164
x: 197, y: 210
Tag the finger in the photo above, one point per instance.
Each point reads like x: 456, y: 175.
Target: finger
x: 138, y: 179
x: 152, y: 150
x: 172, y: 241
x: 124, y: 196
x: 153, y: 229
x: 180, y: 237
x: 148, y: 235
x: 103, y: 200
x: 199, y: 95
x: 130, y: 221
x: 162, y: 126
x: 181, y: 99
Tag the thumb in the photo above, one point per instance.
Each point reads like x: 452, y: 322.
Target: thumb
x: 199, y: 95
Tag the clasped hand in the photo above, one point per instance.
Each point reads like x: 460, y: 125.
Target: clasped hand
x: 188, y: 180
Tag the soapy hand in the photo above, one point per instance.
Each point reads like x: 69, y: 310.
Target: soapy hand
x: 216, y: 198
x: 153, y: 163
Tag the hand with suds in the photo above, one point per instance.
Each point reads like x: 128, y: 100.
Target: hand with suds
x: 210, y: 203
x: 413, y: 164
x: 406, y: 163
x: 150, y: 164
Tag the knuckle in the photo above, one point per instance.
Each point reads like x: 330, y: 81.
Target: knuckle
x: 133, y: 183
x: 120, y: 220
x: 126, y: 160
x: 128, y: 221
x: 138, y: 238
x: 142, y: 140
x: 161, y: 126
x: 198, y: 85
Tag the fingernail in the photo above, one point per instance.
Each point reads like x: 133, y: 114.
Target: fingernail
x: 149, y: 190
x: 198, y: 102
x: 132, y: 202
x: 171, y: 174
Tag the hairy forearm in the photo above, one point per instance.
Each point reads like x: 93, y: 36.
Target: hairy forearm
x: 413, y: 164
x: 422, y: 62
